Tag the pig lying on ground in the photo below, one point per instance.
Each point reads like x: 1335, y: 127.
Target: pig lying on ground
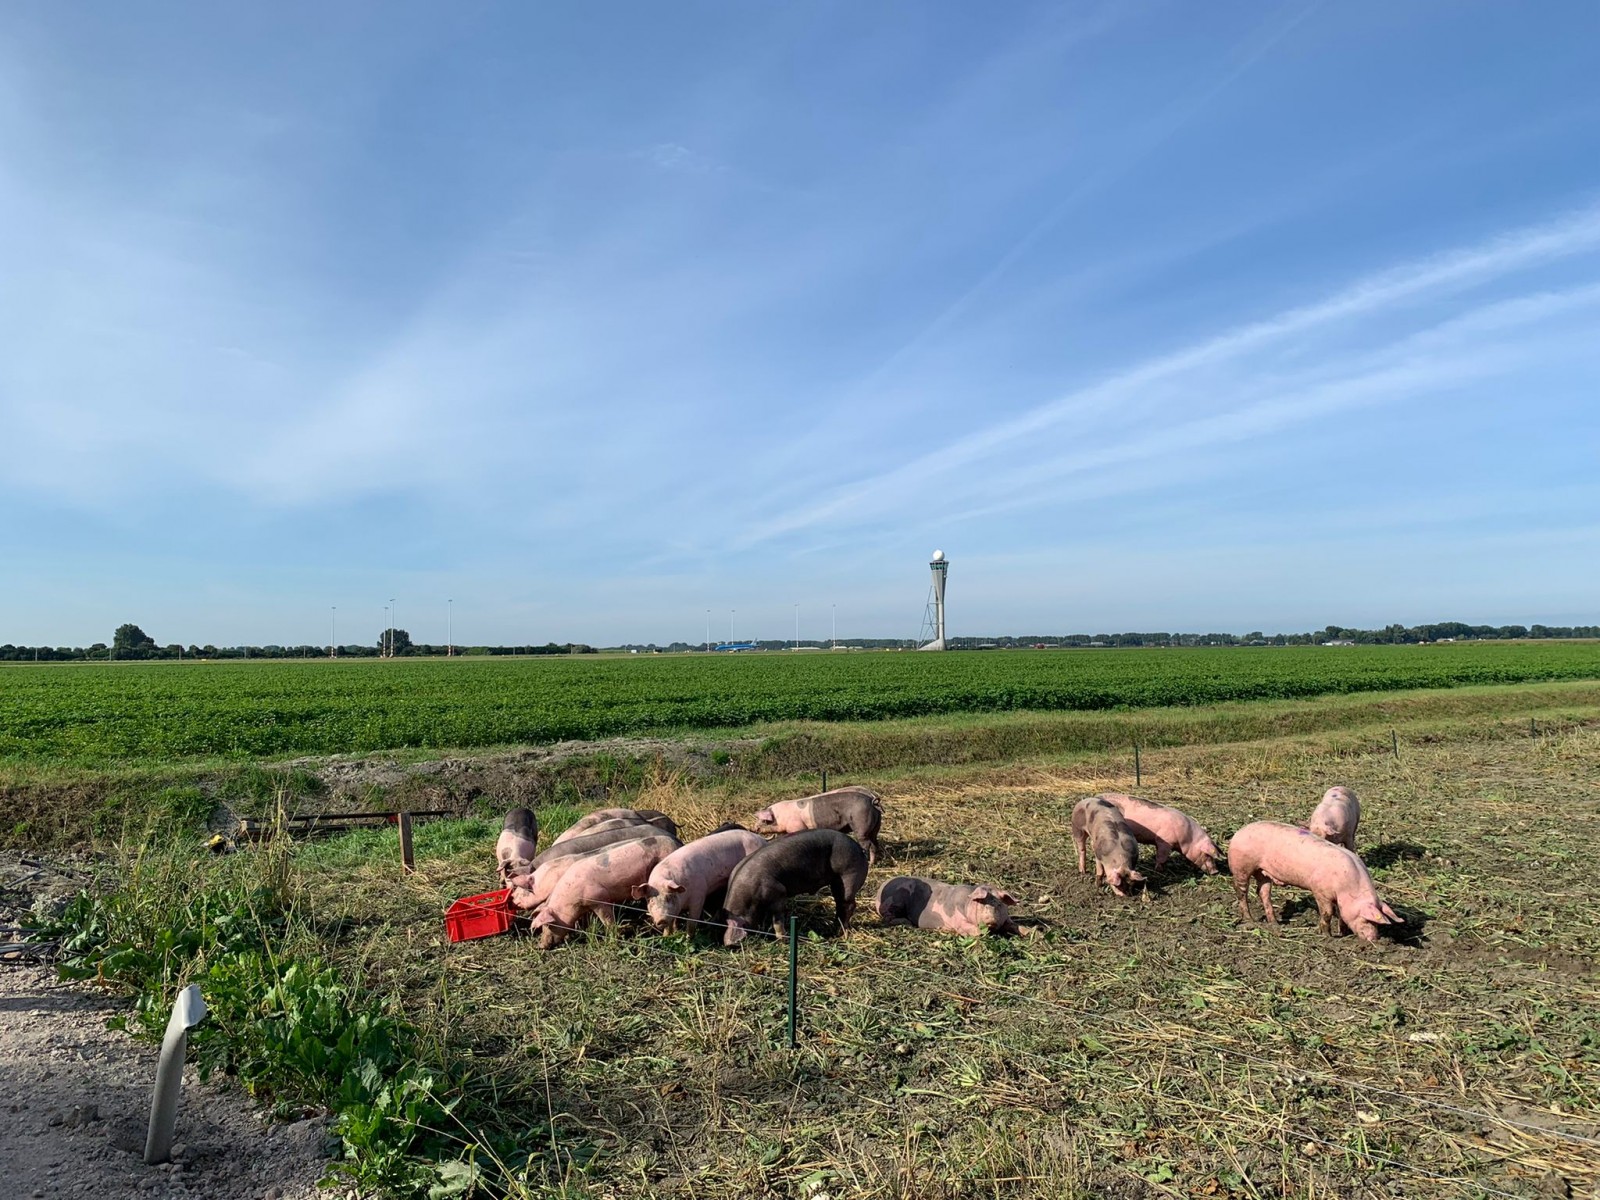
x: 1165, y: 828
x: 1336, y: 818
x: 595, y: 883
x: 852, y: 810
x: 519, y: 837
x: 1116, y: 853
x: 618, y: 829
x: 761, y: 886
x: 948, y: 907
x: 679, y: 884
x: 1271, y: 852
x: 588, y: 821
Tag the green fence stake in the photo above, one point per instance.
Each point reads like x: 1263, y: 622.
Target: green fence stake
x: 794, y: 970
x: 824, y: 778
x: 1138, y: 777
x: 1394, y: 744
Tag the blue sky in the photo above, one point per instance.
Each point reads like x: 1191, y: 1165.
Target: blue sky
x: 592, y: 318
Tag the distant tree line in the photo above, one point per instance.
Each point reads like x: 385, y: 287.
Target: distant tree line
x: 130, y: 642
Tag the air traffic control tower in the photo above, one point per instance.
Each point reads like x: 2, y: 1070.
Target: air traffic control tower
x: 940, y: 567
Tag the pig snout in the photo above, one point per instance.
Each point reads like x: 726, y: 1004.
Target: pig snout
x: 765, y: 819
x: 1121, y: 880
x: 663, y: 904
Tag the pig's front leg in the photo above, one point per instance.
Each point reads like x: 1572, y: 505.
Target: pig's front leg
x: 1326, y: 917
x: 607, y: 914
x: 1332, y: 925
x: 1163, y: 851
x: 1082, y: 839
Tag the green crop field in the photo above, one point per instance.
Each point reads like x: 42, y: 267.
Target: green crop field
x: 165, y: 712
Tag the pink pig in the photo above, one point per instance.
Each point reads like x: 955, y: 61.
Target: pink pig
x: 958, y: 908
x: 516, y: 846
x: 595, y: 883
x: 529, y: 891
x: 852, y: 810
x: 1271, y: 852
x: 1165, y: 828
x: 1336, y: 818
x: 679, y: 884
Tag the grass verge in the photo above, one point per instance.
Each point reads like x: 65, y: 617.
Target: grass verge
x: 1125, y: 1049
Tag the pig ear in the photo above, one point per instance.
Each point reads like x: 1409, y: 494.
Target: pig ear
x: 1391, y: 914
x: 672, y: 885
x: 735, y: 933
x: 981, y: 893
x: 1135, y: 877
x: 543, y: 919
x: 640, y: 891
x: 1005, y: 898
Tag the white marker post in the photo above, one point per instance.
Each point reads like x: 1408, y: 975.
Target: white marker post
x: 188, y: 1012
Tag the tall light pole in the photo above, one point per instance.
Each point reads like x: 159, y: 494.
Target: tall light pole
x: 731, y: 613
x: 383, y: 642
x: 449, y: 637
x: 835, y: 626
x: 333, y: 633
x: 708, y: 631
x: 393, y: 616
x: 797, y: 627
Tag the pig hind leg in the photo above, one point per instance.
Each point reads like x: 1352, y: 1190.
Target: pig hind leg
x: 1264, y: 891
x: 843, y: 903
x: 1241, y: 891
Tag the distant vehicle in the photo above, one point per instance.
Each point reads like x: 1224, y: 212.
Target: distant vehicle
x: 734, y: 647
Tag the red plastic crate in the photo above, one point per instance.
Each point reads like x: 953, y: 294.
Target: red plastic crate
x: 479, y: 916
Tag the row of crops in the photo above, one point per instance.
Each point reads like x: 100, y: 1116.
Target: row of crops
x: 101, y: 715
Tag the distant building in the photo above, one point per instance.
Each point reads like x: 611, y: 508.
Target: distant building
x: 1339, y: 642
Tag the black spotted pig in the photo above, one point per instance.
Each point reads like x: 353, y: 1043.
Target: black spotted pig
x: 1166, y: 829
x: 515, y: 848
x: 605, y: 833
x: 1336, y: 818
x: 852, y: 810
x: 947, y: 907
x: 1116, y: 852
x: 639, y: 816
x: 761, y: 886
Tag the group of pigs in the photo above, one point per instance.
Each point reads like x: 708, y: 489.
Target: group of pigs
x: 1319, y: 856
x: 615, y: 856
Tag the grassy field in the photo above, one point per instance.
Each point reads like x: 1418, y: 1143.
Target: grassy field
x: 1126, y: 1049
x: 103, y: 716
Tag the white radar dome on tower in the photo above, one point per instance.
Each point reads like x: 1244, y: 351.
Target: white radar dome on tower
x: 938, y: 556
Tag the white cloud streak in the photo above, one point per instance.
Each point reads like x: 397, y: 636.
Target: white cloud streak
x: 1386, y: 293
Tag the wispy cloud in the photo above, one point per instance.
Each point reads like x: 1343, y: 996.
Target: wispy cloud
x: 1383, y: 293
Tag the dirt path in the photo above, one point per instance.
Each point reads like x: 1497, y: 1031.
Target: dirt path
x: 75, y: 1096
